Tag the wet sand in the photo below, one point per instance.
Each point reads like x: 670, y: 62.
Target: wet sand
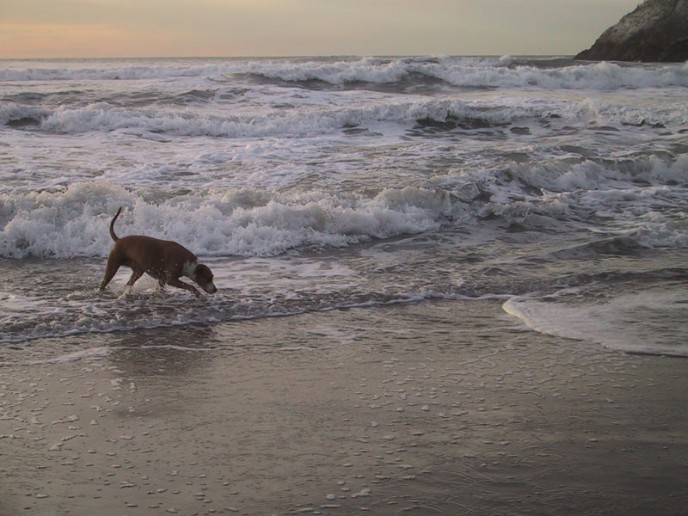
x: 436, y: 408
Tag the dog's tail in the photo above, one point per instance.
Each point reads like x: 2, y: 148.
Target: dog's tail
x: 112, y: 225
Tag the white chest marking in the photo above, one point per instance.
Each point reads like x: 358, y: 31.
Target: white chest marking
x: 189, y: 269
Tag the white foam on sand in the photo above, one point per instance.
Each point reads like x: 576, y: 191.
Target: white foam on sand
x: 648, y: 322
x: 84, y: 354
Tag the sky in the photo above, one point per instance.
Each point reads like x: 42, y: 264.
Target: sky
x: 227, y: 28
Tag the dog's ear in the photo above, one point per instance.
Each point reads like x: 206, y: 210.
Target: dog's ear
x: 204, y: 272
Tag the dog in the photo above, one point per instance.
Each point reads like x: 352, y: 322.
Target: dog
x: 164, y: 260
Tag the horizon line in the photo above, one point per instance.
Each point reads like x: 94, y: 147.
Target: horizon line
x: 285, y: 56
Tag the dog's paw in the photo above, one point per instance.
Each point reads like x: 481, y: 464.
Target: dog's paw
x: 125, y: 293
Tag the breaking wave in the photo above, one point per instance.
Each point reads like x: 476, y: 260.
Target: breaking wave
x: 450, y: 71
x: 74, y: 222
x: 436, y: 114
x: 645, y: 197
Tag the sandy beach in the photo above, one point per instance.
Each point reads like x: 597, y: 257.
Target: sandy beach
x: 434, y: 408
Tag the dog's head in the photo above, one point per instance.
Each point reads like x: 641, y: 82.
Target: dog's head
x: 203, y: 276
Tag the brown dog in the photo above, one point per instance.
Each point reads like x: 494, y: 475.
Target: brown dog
x: 164, y: 260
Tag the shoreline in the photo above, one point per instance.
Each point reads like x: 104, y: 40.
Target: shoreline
x: 434, y: 408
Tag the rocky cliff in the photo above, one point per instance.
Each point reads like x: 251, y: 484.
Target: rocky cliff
x: 657, y: 30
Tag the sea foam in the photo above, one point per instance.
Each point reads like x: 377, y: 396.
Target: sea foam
x: 74, y: 222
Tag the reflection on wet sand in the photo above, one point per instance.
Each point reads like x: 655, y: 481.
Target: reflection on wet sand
x: 429, y: 408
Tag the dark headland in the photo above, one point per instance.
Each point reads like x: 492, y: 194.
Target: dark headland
x: 656, y: 31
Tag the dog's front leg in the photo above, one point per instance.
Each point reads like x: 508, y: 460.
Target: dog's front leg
x: 175, y: 282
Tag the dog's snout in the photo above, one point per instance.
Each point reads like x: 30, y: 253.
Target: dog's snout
x: 210, y: 288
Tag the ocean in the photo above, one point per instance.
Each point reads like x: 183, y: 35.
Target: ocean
x: 557, y: 188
